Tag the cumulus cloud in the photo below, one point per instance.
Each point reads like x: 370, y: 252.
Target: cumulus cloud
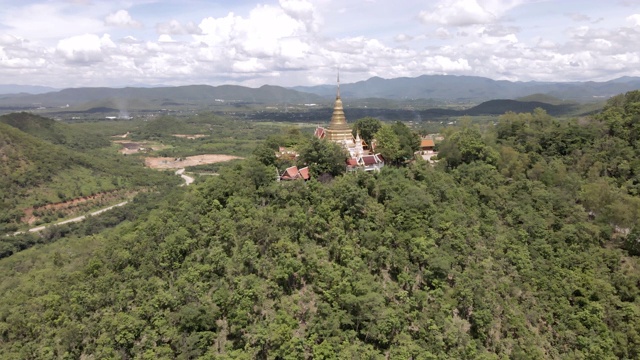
x: 121, y: 18
x: 266, y: 32
x: 303, y: 11
x: 403, y: 38
x: 291, y: 42
x: 634, y: 19
x: 7, y: 39
x: 174, y: 27
x: 84, y: 49
x: 578, y: 17
x: 443, y: 33
x: 467, y: 12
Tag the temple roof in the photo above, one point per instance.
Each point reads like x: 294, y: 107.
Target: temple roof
x: 427, y: 143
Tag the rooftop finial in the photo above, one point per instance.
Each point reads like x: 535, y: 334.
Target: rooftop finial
x: 338, y: 94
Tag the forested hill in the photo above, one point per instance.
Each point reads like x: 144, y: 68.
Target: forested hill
x: 35, y: 172
x: 522, y: 243
x: 53, y: 131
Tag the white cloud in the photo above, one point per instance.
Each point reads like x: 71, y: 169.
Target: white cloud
x: 443, y: 33
x: 121, y: 18
x: 467, y: 12
x: 51, y: 20
x: 249, y: 66
x: 165, y: 38
x: 303, y: 11
x: 6, y: 39
x: 174, y: 27
x: 84, y: 49
x: 291, y: 42
x: 403, y: 38
x: 634, y: 19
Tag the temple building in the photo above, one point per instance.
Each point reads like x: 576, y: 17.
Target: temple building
x: 339, y: 132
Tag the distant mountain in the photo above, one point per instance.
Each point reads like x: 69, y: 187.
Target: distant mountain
x: 431, y: 89
x: 27, y: 89
x: 491, y: 108
x: 194, y: 95
x: 473, y: 89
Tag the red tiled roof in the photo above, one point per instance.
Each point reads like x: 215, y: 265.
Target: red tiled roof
x: 290, y: 174
x: 304, y: 173
x: 370, y: 160
x: 319, y: 133
x: 352, y: 162
x: 293, y: 173
x: 427, y: 143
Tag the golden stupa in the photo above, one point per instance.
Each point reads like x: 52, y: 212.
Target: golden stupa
x: 338, y: 128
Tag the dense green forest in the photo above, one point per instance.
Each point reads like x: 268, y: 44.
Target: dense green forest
x: 521, y: 243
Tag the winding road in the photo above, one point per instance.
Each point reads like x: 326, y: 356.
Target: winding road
x: 187, y: 179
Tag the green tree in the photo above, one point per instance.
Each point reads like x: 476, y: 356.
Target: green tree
x: 265, y: 154
x: 466, y: 146
x: 409, y: 140
x: 388, y: 144
x: 322, y: 157
x: 368, y: 127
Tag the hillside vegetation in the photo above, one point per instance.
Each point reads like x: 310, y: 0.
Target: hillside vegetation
x: 53, y: 131
x: 58, y: 165
x: 522, y: 243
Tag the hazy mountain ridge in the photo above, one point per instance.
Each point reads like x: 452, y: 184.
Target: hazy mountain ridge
x: 438, y: 88
x: 474, y: 88
x: 191, y: 94
x: 26, y: 89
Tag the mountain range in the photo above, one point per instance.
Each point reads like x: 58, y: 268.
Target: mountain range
x: 474, y: 89
x: 432, y: 89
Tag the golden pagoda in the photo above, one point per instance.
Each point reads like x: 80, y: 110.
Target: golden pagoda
x: 338, y: 129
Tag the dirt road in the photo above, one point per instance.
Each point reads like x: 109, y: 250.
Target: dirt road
x: 75, y: 219
x: 187, y: 179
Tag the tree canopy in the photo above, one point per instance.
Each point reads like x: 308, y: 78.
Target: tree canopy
x: 520, y: 244
x: 367, y: 127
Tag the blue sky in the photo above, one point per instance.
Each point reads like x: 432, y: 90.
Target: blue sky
x: 71, y: 43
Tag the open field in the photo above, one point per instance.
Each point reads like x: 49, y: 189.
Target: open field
x: 190, y: 137
x: 177, y: 163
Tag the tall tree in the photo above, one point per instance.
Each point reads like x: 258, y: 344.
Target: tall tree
x: 388, y: 144
x: 322, y: 157
x: 368, y: 127
x: 408, y: 139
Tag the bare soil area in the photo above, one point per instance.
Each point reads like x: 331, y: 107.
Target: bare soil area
x: 177, y: 163
x: 190, y: 137
x: 129, y: 147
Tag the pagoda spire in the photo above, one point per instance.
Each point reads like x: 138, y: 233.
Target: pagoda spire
x: 338, y: 91
x: 338, y: 128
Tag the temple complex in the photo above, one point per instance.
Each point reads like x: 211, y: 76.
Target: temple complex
x: 339, y: 132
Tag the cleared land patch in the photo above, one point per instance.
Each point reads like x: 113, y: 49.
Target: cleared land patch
x: 131, y: 147
x: 190, y: 137
x: 177, y: 163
